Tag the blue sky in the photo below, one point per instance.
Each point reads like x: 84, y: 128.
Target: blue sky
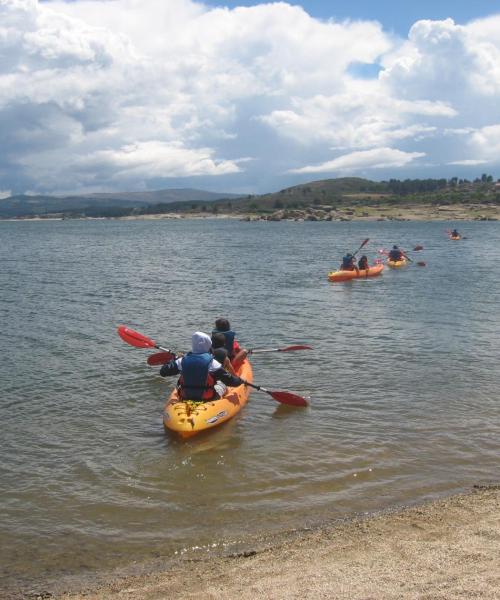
x: 395, y: 15
x: 127, y: 96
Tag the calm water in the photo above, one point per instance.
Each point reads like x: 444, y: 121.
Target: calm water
x: 404, y: 382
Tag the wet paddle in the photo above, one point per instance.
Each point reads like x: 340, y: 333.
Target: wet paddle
x: 283, y: 397
x: 136, y: 339
x: 287, y: 349
x: 160, y: 358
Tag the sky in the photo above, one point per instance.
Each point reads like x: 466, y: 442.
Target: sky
x: 244, y: 97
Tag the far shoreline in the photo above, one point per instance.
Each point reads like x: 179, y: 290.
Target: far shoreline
x: 417, y: 212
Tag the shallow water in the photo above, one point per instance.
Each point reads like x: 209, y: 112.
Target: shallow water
x: 403, y: 382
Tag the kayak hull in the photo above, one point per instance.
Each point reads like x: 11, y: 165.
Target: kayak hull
x: 372, y: 271
x: 397, y: 264
x: 187, y: 418
x: 455, y: 237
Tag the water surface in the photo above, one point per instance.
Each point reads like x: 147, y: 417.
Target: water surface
x: 403, y: 382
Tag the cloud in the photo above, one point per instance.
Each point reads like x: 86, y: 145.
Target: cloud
x: 379, y: 158
x: 471, y: 162
x: 129, y: 94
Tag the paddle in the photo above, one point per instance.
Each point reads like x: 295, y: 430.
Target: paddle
x: 160, y: 358
x: 136, y: 339
x: 287, y: 349
x: 283, y: 397
x: 417, y: 248
x: 363, y: 244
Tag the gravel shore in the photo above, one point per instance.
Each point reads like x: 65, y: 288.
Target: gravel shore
x: 445, y: 549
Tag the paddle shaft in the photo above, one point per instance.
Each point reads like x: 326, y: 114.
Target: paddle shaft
x: 363, y: 244
x: 283, y: 397
x: 288, y: 349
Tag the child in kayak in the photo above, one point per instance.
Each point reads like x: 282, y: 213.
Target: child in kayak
x: 220, y: 353
x: 363, y: 263
x: 223, y: 326
x: 202, y: 377
x: 455, y: 233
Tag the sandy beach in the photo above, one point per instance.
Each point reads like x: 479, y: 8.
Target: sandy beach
x: 444, y: 549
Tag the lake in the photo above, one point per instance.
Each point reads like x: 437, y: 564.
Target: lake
x: 403, y: 380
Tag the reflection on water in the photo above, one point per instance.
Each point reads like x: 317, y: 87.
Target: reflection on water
x: 403, y: 382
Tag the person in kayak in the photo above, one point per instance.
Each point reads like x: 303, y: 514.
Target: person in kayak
x: 202, y: 377
x: 223, y: 326
x: 222, y: 355
x: 363, y: 263
x: 455, y: 233
x: 220, y: 352
x: 348, y: 263
x: 396, y: 254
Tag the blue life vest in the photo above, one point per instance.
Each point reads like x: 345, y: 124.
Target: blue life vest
x: 229, y: 345
x: 347, y: 261
x: 195, y: 382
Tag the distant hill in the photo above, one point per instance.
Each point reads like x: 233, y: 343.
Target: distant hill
x: 325, y: 194
x: 25, y: 206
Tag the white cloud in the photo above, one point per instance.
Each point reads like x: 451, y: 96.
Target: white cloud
x: 378, y: 158
x: 131, y: 94
x: 471, y: 162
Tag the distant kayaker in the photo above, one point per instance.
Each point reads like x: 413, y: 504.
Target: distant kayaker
x: 222, y: 325
x: 363, y: 263
x: 202, y: 377
x: 455, y: 233
x: 396, y: 254
x: 348, y: 263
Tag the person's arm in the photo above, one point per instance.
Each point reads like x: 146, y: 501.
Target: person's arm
x: 228, y: 366
x: 171, y: 368
x: 230, y: 380
x: 239, y: 358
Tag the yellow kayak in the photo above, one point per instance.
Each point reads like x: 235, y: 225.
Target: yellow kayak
x: 397, y: 264
x: 189, y: 417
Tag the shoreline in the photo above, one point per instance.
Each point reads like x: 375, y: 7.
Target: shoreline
x: 468, y: 212
x: 444, y: 548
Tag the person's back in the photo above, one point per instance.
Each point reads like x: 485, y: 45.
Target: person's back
x: 348, y: 263
x: 200, y: 373
x: 220, y: 352
x: 395, y: 254
x: 223, y: 326
x: 363, y: 263
x: 455, y: 233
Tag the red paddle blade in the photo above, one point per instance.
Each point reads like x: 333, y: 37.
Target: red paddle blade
x: 291, y: 348
x: 288, y: 398
x: 417, y: 248
x: 134, y: 338
x: 160, y: 358
x: 421, y: 263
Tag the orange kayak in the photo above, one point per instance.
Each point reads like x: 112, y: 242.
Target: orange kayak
x: 372, y: 271
x: 455, y: 237
x: 189, y: 417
